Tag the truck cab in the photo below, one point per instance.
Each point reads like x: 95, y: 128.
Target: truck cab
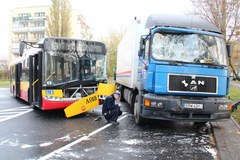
x: 180, y: 71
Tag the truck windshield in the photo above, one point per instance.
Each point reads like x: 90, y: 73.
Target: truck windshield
x: 189, y: 48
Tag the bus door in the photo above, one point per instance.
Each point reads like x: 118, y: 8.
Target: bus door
x: 34, y: 81
x: 18, y: 72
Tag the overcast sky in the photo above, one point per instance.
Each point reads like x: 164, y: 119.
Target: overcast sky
x: 103, y: 16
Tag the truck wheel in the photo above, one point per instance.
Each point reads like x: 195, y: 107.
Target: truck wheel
x: 121, y: 89
x: 138, y: 119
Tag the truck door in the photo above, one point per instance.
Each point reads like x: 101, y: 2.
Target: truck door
x: 145, y: 63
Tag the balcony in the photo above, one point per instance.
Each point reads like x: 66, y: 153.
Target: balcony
x: 37, y: 29
x: 15, y: 42
x: 15, y: 46
x: 28, y: 29
x: 20, y: 18
x: 15, y: 52
x: 20, y: 29
x: 37, y: 18
x: 28, y: 18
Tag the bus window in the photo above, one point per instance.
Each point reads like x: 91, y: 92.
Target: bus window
x: 59, y: 69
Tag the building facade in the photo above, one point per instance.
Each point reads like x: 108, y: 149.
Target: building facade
x: 30, y: 24
x: 27, y: 24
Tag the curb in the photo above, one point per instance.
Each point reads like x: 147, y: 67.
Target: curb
x: 235, y: 122
x: 226, y: 135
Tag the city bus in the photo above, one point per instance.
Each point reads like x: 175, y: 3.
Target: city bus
x: 56, y: 72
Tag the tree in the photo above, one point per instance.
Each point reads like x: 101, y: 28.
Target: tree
x: 224, y: 14
x: 112, y: 41
x: 59, y: 21
x: 85, y: 29
x: 4, y: 73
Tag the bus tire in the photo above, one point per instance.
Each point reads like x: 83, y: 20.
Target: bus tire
x: 14, y: 92
x: 34, y: 107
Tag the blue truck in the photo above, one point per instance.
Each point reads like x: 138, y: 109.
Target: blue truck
x: 174, y: 68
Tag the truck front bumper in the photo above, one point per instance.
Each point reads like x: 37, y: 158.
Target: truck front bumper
x: 195, y: 109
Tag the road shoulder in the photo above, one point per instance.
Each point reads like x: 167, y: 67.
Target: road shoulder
x: 227, y: 136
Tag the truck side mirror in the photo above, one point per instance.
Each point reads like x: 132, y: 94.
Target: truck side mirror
x: 229, y: 50
x: 21, y: 48
x: 141, y: 46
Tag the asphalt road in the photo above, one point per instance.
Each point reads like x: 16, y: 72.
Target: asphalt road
x: 34, y: 134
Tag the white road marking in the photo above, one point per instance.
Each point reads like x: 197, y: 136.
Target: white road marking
x: 7, y: 114
x: 78, y: 140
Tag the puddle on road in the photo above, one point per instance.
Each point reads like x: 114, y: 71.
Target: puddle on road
x: 45, y: 144
x: 133, y: 141
x: 27, y: 146
x: 64, y: 139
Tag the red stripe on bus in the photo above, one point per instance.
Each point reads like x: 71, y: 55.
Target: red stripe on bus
x: 51, y: 104
x: 24, y: 95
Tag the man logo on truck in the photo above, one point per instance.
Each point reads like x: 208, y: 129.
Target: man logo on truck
x: 193, y: 84
x: 193, y: 88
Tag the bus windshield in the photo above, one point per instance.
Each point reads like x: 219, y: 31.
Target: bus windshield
x: 72, y: 61
x: 189, y: 48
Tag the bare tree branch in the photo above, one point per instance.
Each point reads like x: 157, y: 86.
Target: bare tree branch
x: 223, y: 13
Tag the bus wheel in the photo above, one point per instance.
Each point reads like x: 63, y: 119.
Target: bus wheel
x: 13, y: 92
x: 139, y: 120
x: 34, y: 107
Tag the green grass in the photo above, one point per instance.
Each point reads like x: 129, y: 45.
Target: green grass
x: 235, y: 95
x: 4, y: 83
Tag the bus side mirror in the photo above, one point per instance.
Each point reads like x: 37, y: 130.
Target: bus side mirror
x: 21, y: 48
x: 141, y: 46
x: 229, y: 50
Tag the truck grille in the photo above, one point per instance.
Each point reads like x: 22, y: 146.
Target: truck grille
x: 192, y: 83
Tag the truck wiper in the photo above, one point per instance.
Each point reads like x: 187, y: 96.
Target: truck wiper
x: 211, y: 65
x: 174, y: 62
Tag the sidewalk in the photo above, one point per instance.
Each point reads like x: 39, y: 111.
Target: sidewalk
x: 227, y: 135
x: 236, y: 84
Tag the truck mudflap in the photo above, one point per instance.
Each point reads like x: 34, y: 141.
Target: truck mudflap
x: 195, y: 109
x: 235, y: 105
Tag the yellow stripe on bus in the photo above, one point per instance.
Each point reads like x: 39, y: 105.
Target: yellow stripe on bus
x: 53, y: 93
x: 24, y: 86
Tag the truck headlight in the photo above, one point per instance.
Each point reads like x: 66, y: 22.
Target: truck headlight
x: 223, y: 107
x: 160, y: 105
x: 157, y: 104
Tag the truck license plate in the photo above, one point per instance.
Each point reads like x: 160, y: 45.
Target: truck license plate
x: 193, y: 106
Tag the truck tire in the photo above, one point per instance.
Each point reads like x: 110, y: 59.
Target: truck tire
x: 137, y: 110
x: 121, y: 89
